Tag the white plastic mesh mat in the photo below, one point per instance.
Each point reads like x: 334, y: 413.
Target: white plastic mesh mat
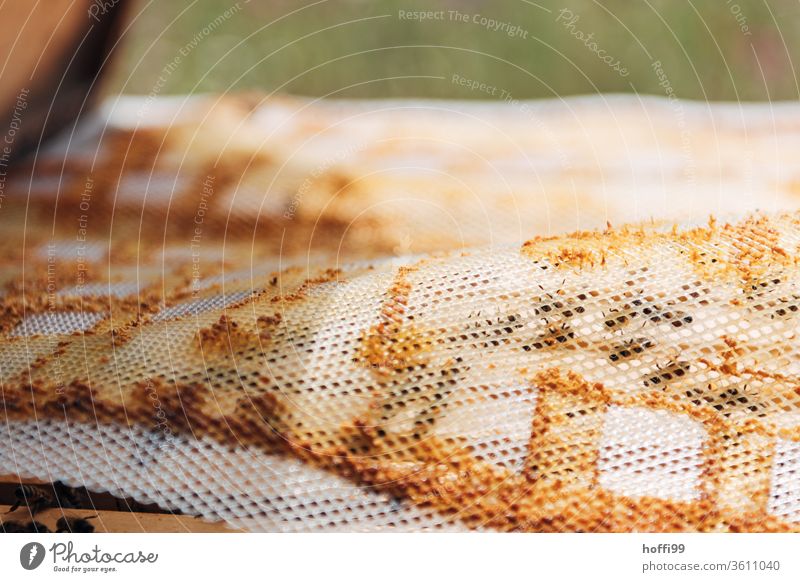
x: 371, y: 316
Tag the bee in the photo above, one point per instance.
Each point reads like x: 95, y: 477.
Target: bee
x: 658, y: 314
x: 673, y: 370
x: 75, y: 525
x: 629, y: 348
x: 34, y: 497
x: 416, y: 408
x: 613, y: 320
x: 790, y: 307
x: 19, y: 527
x: 68, y: 497
x: 725, y: 400
x: 676, y: 318
x: 557, y: 306
x: 13, y: 527
x: 37, y: 527
x: 651, y: 312
x: 493, y: 331
x: 761, y: 288
x: 553, y: 335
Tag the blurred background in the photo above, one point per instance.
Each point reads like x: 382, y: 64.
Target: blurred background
x: 706, y: 49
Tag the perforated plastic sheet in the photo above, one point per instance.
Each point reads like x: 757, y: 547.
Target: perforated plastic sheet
x: 362, y: 342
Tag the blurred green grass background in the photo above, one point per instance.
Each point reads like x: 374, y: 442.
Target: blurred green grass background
x: 709, y: 49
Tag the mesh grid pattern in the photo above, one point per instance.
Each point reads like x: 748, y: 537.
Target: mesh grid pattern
x: 140, y: 186
x: 71, y: 251
x: 638, y: 377
x: 653, y: 453
x: 56, y: 323
x: 100, y: 289
x: 198, y: 306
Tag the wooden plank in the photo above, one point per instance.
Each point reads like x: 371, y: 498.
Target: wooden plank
x: 18, y: 480
x: 119, y: 521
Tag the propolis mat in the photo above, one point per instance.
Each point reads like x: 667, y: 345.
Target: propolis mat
x: 297, y: 315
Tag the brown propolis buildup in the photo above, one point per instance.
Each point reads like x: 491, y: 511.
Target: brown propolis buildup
x: 477, y: 394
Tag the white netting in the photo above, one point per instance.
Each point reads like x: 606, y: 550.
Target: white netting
x: 363, y: 341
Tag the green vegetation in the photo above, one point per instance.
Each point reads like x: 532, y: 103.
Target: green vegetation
x: 707, y: 49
